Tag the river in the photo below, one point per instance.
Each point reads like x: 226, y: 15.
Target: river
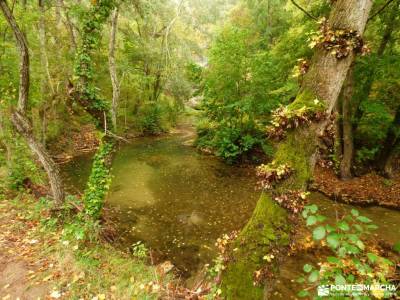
x: 178, y: 202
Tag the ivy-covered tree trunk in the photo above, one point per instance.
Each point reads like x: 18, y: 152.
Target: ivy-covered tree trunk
x: 269, y: 227
x: 19, y: 118
x: 85, y: 93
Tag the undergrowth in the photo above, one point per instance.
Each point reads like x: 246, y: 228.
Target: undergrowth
x: 80, y: 266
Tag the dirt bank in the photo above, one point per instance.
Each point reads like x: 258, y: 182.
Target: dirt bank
x: 369, y: 189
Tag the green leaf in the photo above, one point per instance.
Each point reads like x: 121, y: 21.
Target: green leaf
x: 300, y: 280
x: 303, y: 294
x: 329, y: 228
x: 339, y: 279
x: 342, y: 251
x: 372, y: 226
x: 319, y: 233
x: 313, y: 276
x: 360, y: 244
x: 355, y: 212
x: 372, y: 257
x: 350, y: 278
x: 333, y: 240
x: 311, y: 220
x: 333, y: 260
x: 397, y: 247
x: 313, y: 208
x: 363, y: 219
x: 358, y: 227
x: 343, y: 226
x: 307, y: 268
x: 352, y: 249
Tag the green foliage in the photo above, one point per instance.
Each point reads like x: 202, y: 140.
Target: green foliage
x: 351, y: 261
x: 229, y: 143
x: 248, y: 76
x: 139, y: 250
x: 22, y: 166
x: 92, y: 24
x: 99, y: 181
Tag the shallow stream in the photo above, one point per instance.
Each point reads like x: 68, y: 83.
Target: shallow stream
x: 178, y: 202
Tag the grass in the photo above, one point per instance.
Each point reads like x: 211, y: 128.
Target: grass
x: 75, y: 269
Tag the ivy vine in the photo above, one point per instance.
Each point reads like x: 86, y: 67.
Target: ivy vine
x: 99, y: 181
x: 87, y: 92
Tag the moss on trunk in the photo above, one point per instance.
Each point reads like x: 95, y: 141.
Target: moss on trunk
x: 269, y: 227
x: 266, y: 230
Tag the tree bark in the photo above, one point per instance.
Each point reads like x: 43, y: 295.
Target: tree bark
x: 69, y: 25
x: 19, y: 119
x: 348, y: 145
x: 338, y: 142
x: 113, y: 68
x: 43, y: 46
x: 23, y: 126
x: 386, y: 155
x: 268, y: 228
x: 387, y: 36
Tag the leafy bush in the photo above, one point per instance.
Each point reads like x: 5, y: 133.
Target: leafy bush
x: 149, y: 119
x: 229, y: 143
x: 22, y: 167
x: 351, y: 261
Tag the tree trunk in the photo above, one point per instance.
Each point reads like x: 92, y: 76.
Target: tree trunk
x: 113, y: 68
x: 69, y: 25
x: 268, y: 228
x: 24, y: 128
x: 43, y: 48
x: 390, y: 146
x: 338, y: 142
x: 21, y: 123
x: 387, y: 36
x: 348, y: 146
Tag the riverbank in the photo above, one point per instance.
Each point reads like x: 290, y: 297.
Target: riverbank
x: 37, y: 261
x: 368, y: 189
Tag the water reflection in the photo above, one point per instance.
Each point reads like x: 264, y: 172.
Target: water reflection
x: 176, y: 200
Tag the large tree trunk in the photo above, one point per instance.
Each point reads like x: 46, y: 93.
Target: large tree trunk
x: 386, y: 155
x: 19, y: 119
x: 348, y: 146
x: 113, y: 68
x: 268, y: 228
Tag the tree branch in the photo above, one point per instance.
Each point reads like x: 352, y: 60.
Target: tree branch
x: 304, y: 11
x: 380, y: 10
x: 24, y: 56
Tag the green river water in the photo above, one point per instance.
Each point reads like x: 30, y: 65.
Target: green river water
x: 178, y: 202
